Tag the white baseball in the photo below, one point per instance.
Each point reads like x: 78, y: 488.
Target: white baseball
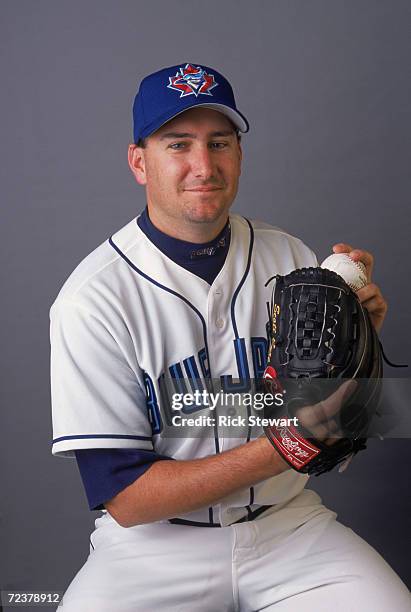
x: 353, y: 272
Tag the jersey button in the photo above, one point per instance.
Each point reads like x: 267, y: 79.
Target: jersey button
x: 219, y: 323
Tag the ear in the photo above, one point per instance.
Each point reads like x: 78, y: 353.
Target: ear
x: 136, y: 161
x: 240, y: 154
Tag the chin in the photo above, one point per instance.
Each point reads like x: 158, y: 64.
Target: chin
x: 205, y: 216
x: 206, y: 212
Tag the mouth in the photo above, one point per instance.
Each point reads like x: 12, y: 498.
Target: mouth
x: 203, y: 189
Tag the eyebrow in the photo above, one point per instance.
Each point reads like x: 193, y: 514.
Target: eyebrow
x: 172, y: 135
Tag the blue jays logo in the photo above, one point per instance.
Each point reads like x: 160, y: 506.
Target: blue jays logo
x: 192, y: 80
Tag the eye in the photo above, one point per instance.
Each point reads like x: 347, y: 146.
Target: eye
x: 218, y: 145
x: 176, y: 146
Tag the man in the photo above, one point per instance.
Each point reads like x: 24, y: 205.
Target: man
x: 206, y: 523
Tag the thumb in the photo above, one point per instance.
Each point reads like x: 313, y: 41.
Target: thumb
x: 333, y: 404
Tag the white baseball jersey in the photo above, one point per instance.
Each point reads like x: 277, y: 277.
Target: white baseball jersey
x: 128, y: 317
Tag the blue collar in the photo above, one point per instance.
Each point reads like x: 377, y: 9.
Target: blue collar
x: 204, y: 259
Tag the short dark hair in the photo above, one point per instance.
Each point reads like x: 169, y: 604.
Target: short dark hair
x: 142, y: 142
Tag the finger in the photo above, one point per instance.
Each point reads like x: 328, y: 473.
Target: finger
x: 365, y: 257
x: 332, y: 405
x: 377, y: 304
x: 328, y: 431
x: 371, y: 298
x: 335, y: 433
x: 368, y: 292
x: 312, y: 416
x: 342, y: 247
x: 320, y: 433
x: 376, y: 307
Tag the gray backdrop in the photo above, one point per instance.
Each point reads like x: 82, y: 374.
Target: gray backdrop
x: 325, y: 85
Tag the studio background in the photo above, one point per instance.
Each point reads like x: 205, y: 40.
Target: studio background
x: 326, y: 88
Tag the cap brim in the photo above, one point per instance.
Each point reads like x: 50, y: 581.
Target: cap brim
x: 235, y: 116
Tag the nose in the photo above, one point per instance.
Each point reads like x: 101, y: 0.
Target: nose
x: 202, y: 164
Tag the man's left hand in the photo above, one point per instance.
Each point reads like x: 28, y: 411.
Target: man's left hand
x: 370, y: 296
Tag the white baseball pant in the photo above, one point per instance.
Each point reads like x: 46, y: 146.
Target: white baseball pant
x: 295, y: 556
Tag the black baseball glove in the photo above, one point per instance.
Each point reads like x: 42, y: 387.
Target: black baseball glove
x: 324, y: 355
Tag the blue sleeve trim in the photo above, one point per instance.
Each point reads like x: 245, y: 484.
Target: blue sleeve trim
x: 106, y: 472
x: 102, y: 436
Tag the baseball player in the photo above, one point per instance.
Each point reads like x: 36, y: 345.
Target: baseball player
x: 177, y: 298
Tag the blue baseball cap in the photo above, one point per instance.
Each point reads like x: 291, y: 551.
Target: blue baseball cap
x: 169, y: 92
